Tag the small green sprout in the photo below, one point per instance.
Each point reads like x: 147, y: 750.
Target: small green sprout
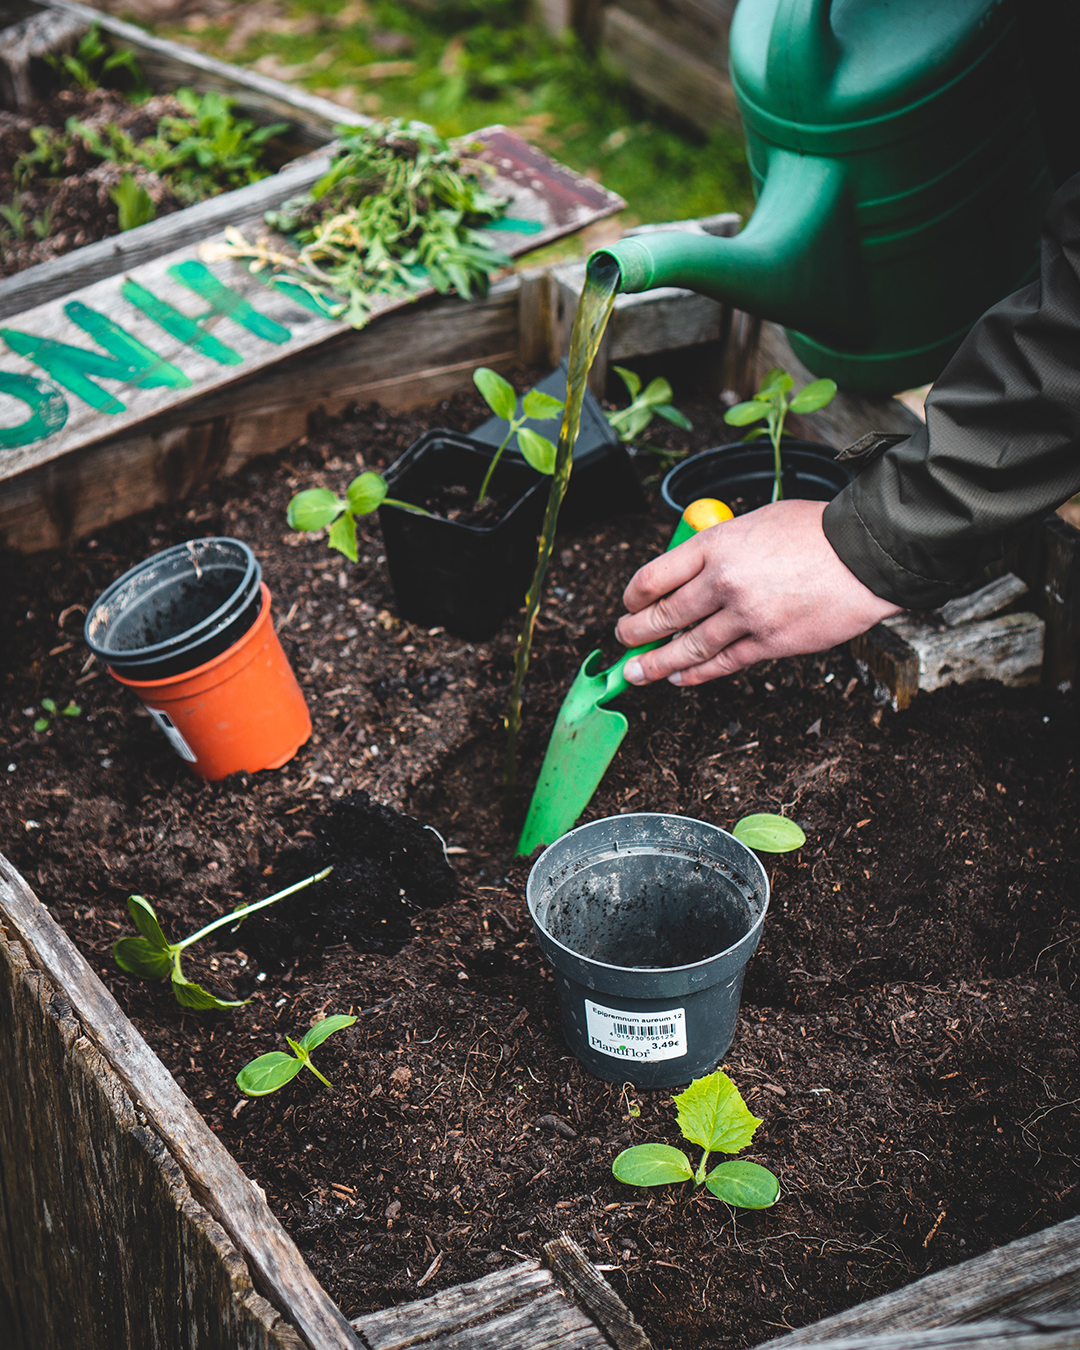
x: 267, y: 1073
x: 766, y: 833
x: 153, y: 957
x: 713, y: 1115
x: 48, y: 706
x: 499, y: 395
x: 15, y: 216
x: 316, y: 508
x: 645, y: 404
x: 134, y: 205
x: 771, y: 404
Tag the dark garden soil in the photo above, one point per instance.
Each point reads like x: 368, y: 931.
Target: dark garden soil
x: 65, y: 209
x: 909, y: 1028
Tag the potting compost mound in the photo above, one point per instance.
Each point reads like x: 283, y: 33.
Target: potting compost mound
x: 910, y: 1025
x: 387, y: 867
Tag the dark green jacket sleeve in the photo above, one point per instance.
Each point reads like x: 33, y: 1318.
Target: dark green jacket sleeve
x: 1001, y: 445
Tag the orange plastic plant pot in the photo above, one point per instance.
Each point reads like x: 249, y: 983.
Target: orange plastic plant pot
x: 241, y: 710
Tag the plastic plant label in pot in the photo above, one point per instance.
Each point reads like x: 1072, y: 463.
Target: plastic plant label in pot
x: 241, y: 710
x: 649, y: 921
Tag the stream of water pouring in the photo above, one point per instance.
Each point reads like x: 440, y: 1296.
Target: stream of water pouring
x: 590, y: 320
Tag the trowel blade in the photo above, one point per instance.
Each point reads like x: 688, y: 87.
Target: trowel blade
x: 583, y: 744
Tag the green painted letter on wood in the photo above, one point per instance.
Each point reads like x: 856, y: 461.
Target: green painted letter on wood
x: 48, y: 409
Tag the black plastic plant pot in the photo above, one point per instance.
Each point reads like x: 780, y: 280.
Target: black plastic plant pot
x: 603, y: 482
x: 649, y: 921
x: 742, y: 475
x: 177, y: 609
x: 448, y: 573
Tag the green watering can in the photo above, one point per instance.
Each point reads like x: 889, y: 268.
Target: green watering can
x: 901, y: 183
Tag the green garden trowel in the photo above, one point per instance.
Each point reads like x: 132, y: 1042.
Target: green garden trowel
x: 587, y: 734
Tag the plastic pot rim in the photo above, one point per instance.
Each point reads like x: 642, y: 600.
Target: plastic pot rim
x: 202, y: 631
x: 752, y: 935
x: 462, y: 441
x: 760, y: 444
x: 207, y: 667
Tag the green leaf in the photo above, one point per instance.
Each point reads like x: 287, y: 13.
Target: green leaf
x: 41, y: 724
x: 775, y: 381
x: 639, y: 419
x: 537, y: 449
x: 540, y: 407
x: 713, y: 1114
x: 674, y: 415
x: 142, y: 958
x: 652, y: 1165
x: 342, y: 536
x: 314, y: 509
x: 326, y: 1027
x: 194, y: 996
x: 744, y: 1184
x: 72, y: 710
x: 744, y: 413
x: 48, y: 705
x: 629, y: 378
x: 146, y: 921
x: 365, y: 493
x: 769, y: 834
x: 266, y: 1074
x: 657, y: 391
x: 813, y: 396
x: 496, y: 392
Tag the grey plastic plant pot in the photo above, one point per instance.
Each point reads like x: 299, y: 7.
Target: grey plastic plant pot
x: 649, y: 921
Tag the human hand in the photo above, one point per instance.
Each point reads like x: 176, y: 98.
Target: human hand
x: 763, y: 585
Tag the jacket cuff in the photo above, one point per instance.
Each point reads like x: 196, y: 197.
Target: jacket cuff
x: 853, y: 539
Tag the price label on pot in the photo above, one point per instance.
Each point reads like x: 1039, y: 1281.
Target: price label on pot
x: 177, y: 741
x: 644, y: 1036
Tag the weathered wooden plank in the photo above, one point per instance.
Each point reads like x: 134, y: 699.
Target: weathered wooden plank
x: 989, y: 599
x: 1061, y: 601
x: 413, y: 357
x: 1031, y: 1277
x: 23, y: 48
x: 1008, y: 648
x: 565, y: 1306
x: 233, y: 1201
x: 697, y: 89
x: 588, y: 1288
x: 1051, y: 1333
x: 699, y: 27
x: 886, y: 660
x: 111, y: 1246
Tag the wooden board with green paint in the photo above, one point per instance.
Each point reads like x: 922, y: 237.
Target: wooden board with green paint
x: 129, y: 347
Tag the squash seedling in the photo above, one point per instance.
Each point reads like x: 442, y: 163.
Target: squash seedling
x: 499, y: 395
x: 267, y: 1073
x: 153, y: 957
x: 645, y: 404
x: 317, y: 508
x: 48, y: 706
x: 713, y: 1115
x: 771, y: 405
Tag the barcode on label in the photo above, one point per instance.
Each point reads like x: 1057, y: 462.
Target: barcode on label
x: 646, y: 1031
x: 645, y: 1036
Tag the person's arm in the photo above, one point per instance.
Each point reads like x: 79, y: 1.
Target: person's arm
x: 1001, y: 447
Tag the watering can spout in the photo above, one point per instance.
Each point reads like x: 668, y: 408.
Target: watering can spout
x: 794, y: 263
